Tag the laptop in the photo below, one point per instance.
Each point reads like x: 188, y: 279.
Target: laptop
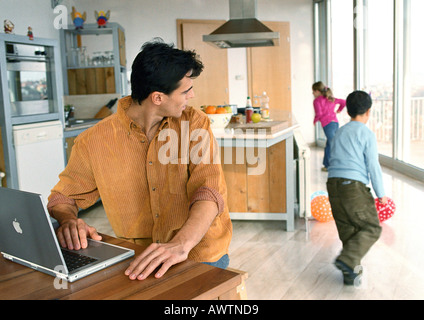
x: 27, y: 237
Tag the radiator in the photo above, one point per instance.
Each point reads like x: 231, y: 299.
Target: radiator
x: 302, y: 154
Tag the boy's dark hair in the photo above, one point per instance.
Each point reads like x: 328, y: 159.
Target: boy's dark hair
x: 357, y: 103
x: 160, y: 67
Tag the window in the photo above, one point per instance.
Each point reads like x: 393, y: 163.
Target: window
x: 412, y: 150
x: 342, y: 52
x: 378, y: 70
x: 377, y: 46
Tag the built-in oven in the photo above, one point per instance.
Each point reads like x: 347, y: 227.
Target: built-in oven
x: 29, y: 76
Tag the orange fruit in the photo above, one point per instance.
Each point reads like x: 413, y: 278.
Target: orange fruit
x: 221, y: 110
x: 210, y: 109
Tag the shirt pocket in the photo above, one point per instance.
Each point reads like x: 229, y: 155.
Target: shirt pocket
x: 178, y: 177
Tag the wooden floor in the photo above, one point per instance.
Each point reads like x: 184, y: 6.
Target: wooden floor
x: 296, y: 265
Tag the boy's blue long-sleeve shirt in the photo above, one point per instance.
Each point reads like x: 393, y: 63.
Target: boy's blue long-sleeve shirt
x: 354, y: 156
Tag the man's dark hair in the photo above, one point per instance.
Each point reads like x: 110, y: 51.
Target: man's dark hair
x: 160, y: 67
x: 357, y: 103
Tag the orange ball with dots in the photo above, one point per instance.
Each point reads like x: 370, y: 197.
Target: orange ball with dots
x: 321, y: 208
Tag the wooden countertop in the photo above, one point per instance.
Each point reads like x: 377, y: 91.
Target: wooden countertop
x: 184, y: 281
x: 280, y: 124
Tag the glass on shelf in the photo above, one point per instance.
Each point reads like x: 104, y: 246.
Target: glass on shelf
x: 73, y: 57
x: 98, y: 58
x: 82, y: 56
x: 108, y: 55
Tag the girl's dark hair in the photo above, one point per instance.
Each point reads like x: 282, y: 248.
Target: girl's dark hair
x: 160, y: 67
x: 357, y: 103
x: 325, y: 91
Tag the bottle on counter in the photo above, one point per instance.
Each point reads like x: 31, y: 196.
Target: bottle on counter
x: 265, y: 106
x: 249, y: 110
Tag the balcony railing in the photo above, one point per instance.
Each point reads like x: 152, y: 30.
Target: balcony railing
x: 381, y: 120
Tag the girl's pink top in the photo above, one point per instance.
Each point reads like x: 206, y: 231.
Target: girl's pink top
x: 325, y: 109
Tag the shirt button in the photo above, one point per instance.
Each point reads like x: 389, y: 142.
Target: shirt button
x: 143, y: 141
x: 157, y: 241
x: 154, y: 189
x: 157, y: 215
x: 150, y: 162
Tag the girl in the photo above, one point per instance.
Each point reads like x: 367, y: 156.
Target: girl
x: 324, y: 105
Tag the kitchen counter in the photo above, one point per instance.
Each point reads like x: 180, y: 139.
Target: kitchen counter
x: 257, y: 161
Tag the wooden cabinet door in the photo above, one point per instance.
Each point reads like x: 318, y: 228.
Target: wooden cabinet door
x: 211, y: 87
x: 269, y: 69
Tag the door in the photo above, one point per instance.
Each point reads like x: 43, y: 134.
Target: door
x: 211, y: 87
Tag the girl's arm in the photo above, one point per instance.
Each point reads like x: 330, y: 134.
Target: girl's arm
x: 342, y: 104
x: 318, y: 110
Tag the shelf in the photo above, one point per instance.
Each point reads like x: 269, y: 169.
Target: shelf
x: 89, y: 79
x: 90, y: 30
x: 92, y: 67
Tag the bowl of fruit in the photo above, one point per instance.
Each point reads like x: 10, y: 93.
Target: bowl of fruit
x: 219, y: 116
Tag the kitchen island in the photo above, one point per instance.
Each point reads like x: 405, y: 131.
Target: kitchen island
x: 258, y: 165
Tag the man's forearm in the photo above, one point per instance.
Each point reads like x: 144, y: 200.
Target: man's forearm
x: 201, y: 216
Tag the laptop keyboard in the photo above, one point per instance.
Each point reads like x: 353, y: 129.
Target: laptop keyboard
x: 74, y: 260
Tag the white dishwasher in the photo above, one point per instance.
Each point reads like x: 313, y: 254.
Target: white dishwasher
x: 39, y: 156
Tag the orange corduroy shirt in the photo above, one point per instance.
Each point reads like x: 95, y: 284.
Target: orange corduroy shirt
x: 147, y: 189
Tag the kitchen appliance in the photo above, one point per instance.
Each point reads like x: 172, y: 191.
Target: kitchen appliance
x: 243, y: 29
x: 39, y: 156
x: 29, y: 76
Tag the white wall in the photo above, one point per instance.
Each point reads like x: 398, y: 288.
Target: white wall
x: 146, y: 19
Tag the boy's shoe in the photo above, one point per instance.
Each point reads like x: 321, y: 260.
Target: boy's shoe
x: 349, y: 275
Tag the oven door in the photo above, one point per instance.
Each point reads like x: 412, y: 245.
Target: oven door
x: 30, y: 86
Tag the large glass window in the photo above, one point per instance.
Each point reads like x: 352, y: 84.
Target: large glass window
x: 378, y: 69
x: 412, y: 150
x: 377, y: 46
x: 342, y: 52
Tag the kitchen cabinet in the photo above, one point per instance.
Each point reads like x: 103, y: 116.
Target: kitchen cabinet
x: 269, y: 69
x: 94, y: 60
x: 258, y: 169
x: 211, y: 87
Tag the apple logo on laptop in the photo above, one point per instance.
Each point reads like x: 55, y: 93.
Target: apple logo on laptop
x: 17, y: 226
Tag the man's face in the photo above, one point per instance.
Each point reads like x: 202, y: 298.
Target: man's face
x: 176, y: 102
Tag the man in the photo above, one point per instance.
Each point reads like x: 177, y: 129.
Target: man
x: 152, y: 194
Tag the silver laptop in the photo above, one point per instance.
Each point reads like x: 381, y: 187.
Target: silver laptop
x: 27, y: 237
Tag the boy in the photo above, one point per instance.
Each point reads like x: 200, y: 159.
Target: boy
x: 353, y: 163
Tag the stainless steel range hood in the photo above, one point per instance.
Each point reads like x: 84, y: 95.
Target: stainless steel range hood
x: 243, y: 29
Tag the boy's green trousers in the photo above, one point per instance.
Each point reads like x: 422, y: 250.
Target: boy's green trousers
x: 356, y: 218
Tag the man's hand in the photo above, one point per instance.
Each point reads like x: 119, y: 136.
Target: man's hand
x: 165, y: 254
x: 73, y: 234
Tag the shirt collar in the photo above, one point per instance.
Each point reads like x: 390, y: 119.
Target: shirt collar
x: 123, y: 106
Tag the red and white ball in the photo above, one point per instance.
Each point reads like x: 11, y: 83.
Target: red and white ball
x: 385, y: 211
